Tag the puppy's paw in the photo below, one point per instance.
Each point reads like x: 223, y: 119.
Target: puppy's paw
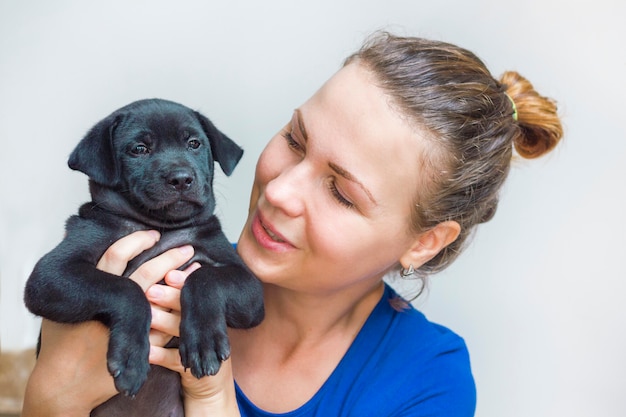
x: 127, y: 361
x: 202, y: 350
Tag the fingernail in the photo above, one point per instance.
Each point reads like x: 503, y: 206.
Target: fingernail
x: 186, y: 250
x: 193, y: 267
x: 155, y: 292
x: 175, y: 277
x: 155, y: 235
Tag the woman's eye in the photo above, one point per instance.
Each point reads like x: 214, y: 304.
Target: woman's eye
x: 193, y: 144
x: 140, y: 149
x: 292, y: 143
x: 341, y: 199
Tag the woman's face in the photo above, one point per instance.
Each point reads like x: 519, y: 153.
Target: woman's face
x: 333, y: 191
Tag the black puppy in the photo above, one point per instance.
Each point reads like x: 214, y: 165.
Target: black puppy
x: 150, y: 166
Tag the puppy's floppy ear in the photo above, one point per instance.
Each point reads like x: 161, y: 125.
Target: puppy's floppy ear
x: 95, y: 156
x: 225, y: 150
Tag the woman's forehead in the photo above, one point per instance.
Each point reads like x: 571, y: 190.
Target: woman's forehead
x: 352, y: 120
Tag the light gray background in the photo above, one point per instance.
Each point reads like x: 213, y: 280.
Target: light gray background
x: 538, y: 296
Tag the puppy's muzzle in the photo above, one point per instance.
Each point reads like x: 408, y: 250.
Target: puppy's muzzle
x: 180, y: 179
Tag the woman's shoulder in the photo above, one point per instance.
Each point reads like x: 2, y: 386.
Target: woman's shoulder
x: 397, y: 319
x: 411, y: 362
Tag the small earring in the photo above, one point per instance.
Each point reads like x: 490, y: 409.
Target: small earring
x: 407, y: 272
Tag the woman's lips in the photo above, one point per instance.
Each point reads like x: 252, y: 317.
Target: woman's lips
x: 272, y: 234
x: 267, y: 237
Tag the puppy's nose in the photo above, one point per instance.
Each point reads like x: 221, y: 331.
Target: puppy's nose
x: 180, y: 180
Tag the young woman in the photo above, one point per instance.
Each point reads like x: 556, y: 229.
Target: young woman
x: 387, y: 168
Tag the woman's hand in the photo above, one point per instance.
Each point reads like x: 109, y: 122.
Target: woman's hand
x: 214, y: 394
x: 70, y: 377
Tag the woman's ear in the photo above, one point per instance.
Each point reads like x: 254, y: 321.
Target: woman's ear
x: 428, y: 244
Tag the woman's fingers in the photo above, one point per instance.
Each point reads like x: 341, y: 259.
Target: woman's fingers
x: 164, y: 296
x: 155, y: 269
x: 168, y: 358
x: 117, y: 256
x: 166, y: 299
x: 176, y: 278
x: 166, y: 322
x: 168, y: 296
x: 158, y: 338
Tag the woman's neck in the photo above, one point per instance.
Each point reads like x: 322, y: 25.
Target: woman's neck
x: 281, y: 363
x: 306, y: 317
x: 295, y: 320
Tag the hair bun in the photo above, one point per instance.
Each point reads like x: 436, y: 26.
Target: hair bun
x: 540, y: 126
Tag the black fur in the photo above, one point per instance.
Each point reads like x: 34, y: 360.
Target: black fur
x: 150, y: 166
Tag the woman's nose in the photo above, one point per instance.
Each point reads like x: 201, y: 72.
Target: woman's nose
x: 287, y: 191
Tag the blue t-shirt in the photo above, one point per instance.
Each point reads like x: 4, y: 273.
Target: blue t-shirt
x: 399, y: 365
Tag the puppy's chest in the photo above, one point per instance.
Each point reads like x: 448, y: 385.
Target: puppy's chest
x: 170, y: 239
x: 174, y: 238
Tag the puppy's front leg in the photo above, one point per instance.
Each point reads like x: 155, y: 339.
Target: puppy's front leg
x: 203, y: 339
x: 129, y: 344
x: 213, y: 298
x: 74, y: 291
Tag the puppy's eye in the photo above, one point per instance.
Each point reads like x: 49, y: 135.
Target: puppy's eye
x: 193, y: 144
x: 140, y: 149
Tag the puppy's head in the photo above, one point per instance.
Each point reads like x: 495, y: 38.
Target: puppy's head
x: 159, y: 155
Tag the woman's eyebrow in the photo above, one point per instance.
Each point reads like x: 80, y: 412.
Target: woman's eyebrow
x: 348, y: 176
x: 299, y: 123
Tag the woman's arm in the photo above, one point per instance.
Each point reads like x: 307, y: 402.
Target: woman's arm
x: 70, y: 377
